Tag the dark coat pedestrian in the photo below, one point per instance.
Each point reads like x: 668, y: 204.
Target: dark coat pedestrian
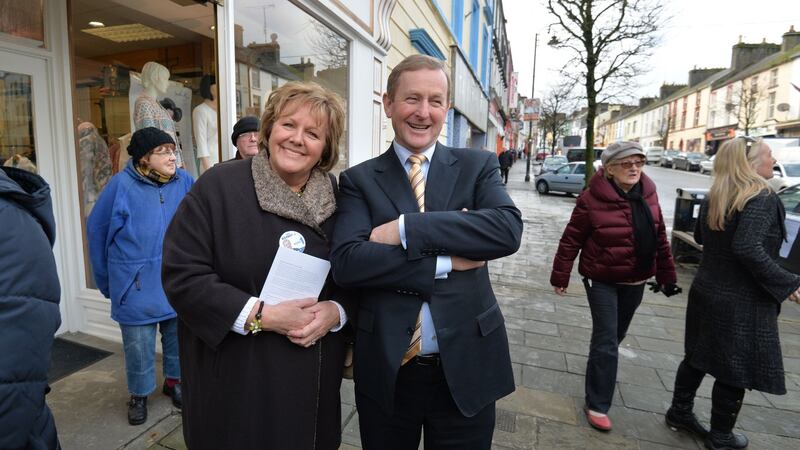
x: 506, y: 160
x: 734, y: 302
x: 29, y: 315
x: 732, y: 315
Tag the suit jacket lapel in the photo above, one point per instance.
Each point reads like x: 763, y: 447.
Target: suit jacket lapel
x: 392, y: 178
x: 441, y: 180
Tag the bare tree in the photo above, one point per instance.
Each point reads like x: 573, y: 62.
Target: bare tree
x: 747, y: 100
x: 553, y: 121
x: 609, y: 40
x: 330, y: 48
x: 665, y: 127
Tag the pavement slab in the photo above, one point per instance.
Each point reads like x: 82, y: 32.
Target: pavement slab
x: 549, y: 340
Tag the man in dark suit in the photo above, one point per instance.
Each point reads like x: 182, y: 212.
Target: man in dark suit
x: 414, y: 229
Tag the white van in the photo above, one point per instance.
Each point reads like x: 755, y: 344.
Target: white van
x: 653, y: 154
x: 787, y: 167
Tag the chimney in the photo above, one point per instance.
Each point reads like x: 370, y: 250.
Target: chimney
x: 669, y: 89
x: 644, y: 101
x: 238, y: 36
x: 698, y: 75
x: 790, y: 39
x: 744, y: 55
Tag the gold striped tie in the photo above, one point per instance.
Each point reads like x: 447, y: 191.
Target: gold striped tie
x: 417, y: 180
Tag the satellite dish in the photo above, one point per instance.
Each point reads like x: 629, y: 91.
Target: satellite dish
x: 729, y: 107
x: 783, y: 107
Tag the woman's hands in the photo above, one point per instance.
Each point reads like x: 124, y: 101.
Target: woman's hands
x: 303, y: 321
x: 326, y: 316
x: 560, y: 290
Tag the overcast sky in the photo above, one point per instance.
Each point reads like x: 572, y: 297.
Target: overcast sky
x: 701, y: 33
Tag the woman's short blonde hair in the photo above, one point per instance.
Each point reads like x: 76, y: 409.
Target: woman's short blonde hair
x: 735, y: 179
x: 325, y: 105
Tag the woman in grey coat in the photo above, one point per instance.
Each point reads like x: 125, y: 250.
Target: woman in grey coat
x: 734, y: 301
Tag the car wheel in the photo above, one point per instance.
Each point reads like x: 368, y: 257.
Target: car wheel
x: 542, y: 187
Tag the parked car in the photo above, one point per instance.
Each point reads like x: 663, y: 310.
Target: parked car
x: 653, y: 154
x: 666, y: 157
x: 707, y: 165
x: 577, y: 154
x: 552, y: 163
x: 568, y: 178
x: 688, y: 161
x: 787, y: 173
x: 789, y: 256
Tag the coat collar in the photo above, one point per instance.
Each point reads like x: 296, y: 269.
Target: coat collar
x: 439, y: 185
x: 274, y: 196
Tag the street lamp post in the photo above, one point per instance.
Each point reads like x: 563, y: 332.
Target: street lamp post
x: 530, y: 118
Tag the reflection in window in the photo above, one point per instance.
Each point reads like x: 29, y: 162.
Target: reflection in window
x: 283, y: 43
x: 23, y: 21
x: 17, y: 147
x: 109, y: 96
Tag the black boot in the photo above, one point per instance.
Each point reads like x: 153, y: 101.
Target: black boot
x: 680, y: 415
x: 725, y: 405
x: 137, y: 410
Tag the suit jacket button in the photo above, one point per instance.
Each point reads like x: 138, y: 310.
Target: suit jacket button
x: 410, y: 331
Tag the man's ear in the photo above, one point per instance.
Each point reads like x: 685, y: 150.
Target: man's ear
x: 387, y: 103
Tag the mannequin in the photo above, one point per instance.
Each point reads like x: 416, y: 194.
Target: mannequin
x: 147, y: 111
x: 204, y: 125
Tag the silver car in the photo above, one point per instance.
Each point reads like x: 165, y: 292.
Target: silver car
x: 568, y: 178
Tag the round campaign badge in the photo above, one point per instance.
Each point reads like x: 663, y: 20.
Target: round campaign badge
x: 293, y: 240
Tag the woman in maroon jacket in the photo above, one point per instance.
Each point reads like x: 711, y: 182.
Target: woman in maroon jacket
x: 618, y: 228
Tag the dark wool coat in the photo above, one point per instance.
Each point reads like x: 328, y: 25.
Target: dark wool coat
x: 734, y: 301
x: 601, y: 229
x: 29, y: 316
x: 254, y: 391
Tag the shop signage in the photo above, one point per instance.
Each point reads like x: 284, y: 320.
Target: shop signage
x: 468, y: 97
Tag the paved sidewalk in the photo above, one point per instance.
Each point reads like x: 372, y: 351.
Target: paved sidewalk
x: 549, y: 337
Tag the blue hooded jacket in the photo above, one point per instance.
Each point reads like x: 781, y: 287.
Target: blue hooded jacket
x: 126, y: 235
x: 29, y: 316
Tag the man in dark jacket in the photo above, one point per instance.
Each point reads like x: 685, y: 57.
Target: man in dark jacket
x: 506, y: 160
x: 29, y: 316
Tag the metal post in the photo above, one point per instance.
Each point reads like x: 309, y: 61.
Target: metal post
x: 531, y: 150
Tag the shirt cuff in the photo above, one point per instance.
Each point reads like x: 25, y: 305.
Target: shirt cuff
x: 241, y: 321
x: 402, y: 225
x: 342, y: 317
x: 444, y: 265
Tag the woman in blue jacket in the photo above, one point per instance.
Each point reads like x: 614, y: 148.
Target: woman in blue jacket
x: 126, y: 232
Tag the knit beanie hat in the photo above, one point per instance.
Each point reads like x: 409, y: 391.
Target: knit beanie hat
x: 245, y: 125
x: 145, y: 140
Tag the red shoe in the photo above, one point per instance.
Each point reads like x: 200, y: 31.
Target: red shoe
x: 598, y: 421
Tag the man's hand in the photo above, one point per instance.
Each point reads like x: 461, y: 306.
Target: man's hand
x: 388, y: 233
x: 560, y: 290
x: 461, y: 264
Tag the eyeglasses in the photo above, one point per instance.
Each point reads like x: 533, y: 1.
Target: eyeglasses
x: 165, y: 152
x: 628, y: 164
x: 249, y: 135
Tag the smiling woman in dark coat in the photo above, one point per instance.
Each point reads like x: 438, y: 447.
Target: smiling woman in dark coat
x: 734, y: 301
x: 277, y: 389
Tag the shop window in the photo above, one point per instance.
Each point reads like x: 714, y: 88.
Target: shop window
x: 114, y: 95
x: 17, y: 146
x: 22, y: 22
x: 282, y: 42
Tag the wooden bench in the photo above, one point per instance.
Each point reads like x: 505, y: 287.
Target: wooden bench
x: 685, y: 248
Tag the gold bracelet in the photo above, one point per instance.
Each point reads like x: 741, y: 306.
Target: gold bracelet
x: 255, y: 325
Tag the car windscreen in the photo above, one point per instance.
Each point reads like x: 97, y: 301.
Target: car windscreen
x: 792, y: 169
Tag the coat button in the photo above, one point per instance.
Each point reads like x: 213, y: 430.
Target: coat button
x: 410, y: 331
